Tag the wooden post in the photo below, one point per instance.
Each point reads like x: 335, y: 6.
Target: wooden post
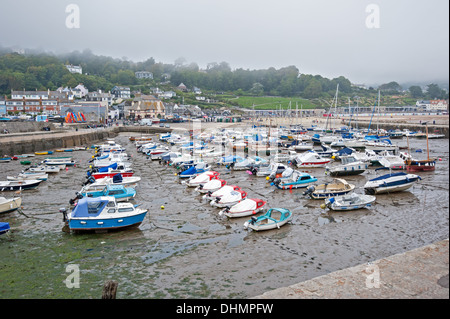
x: 110, y: 290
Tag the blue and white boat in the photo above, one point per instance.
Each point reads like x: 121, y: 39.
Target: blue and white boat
x: 274, y: 218
x: 4, y: 228
x: 201, y: 167
x: 225, y: 160
x: 349, y: 202
x: 119, y: 192
x: 102, y: 213
x: 294, y: 180
x: 390, y: 183
x: 249, y: 162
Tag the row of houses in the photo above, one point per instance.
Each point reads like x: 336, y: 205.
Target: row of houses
x: 95, y: 105
x: 433, y: 105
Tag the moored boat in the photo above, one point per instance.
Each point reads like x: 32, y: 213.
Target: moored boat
x: 274, y: 218
x: 211, y: 186
x: 59, y: 161
x: 349, y: 202
x: 4, y: 228
x: 102, y: 213
x: 19, y: 185
x: 119, y: 192
x: 9, y: 204
x: 311, y: 159
x: 220, y: 192
x: 201, y: 179
x: 229, y: 199
x: 247, y: 207
x: 294, y: 180
x: 389, y: 183
x: 336, y: 188
x: 350, y: 165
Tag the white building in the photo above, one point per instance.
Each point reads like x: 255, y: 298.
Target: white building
x: 74, y: 68
x: 143, y: 75
x: 80, y: 91
x: 121, y: 92
x: 438, y: 105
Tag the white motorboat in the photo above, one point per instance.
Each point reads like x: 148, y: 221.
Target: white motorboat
x: 247, y: 207
x: 391, y: 161
x: 229, y: 199
x: 272, y: 168
x: 46, y: 168
x: 100, y: 183
x: 59, y: 161
x: 25, y: 176
x: 349, y: 166
x: 211, y: 186
x: 200, y: 179
x: 220, y: 192
x: 301, y: 147
x: 390, y: 183
x: 311, y: 159
x: 349, y: 202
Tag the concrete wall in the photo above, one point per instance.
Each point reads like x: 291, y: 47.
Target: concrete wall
x: 20, y: 127
x: 52, y: 141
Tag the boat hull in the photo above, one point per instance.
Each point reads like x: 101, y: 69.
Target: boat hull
x: 10, y: 205
x: 90, y: 224
x: 103, y: 175
x: 19, y: 185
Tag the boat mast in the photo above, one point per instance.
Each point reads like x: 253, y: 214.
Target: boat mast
x: 378, y: 113
x: 428, y: 149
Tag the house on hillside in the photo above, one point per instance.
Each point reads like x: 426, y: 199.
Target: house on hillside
x: 74, y: 68
x: 121, y: 92
x: 182, y: 87
x: 146, y: 106
x: 143, y: 75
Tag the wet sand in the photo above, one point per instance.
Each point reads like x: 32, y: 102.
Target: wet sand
x: 186, y: 250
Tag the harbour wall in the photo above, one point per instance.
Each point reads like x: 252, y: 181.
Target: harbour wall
x: 29, y: 142
x: 16, y: 144
x: 436, y: 129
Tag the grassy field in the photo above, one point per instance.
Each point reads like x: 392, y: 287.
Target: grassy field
x: 271, y: 102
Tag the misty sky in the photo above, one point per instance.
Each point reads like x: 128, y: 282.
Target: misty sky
x: 326, y: 37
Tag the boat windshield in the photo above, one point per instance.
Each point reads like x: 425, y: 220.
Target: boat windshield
x: 348, y: 160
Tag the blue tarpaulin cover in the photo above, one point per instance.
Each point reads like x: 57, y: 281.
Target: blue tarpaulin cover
x: 106, y: 168
x: 4, y: 227
x: 89, y: 207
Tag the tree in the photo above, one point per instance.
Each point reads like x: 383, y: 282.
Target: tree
x: 416, y: 91
x: 435, y: 92
x: 257, y: 89
x: 313, y: 90
x: 390, y: 87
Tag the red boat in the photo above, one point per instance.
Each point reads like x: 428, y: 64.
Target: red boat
x: 420, y: 166
x: 111, y: 173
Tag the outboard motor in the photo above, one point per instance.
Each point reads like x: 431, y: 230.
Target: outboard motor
x: 63, y: 211
x: 78, y: 196
x: 309, y: 190
x: 272, y: 177
x: 89, y: 180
